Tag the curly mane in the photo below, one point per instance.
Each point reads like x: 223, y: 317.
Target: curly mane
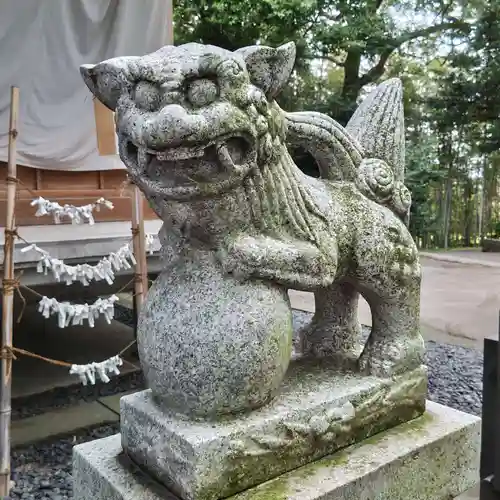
x: 280, y: 203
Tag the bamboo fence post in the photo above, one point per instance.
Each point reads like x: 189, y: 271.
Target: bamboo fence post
x: 139, y: 245
x: 8, y: 300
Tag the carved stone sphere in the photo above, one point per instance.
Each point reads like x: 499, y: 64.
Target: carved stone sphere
x: 210, y: 344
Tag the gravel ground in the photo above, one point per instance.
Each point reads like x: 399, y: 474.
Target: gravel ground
x: 43, y: 471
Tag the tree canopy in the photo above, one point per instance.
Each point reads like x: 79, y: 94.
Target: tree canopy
x: 447, y: 53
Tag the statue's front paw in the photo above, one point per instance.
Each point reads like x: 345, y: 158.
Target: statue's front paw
x: 386, y: 358
x: 233, y: 266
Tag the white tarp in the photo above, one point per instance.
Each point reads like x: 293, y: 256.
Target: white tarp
x: 42, y: 45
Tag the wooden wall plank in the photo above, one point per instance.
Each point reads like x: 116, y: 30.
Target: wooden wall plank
x: 77, y: 188
x: 52, y: 180
x: 26, y: 175
x: 105, y: 129
x: 113, y: 179
x: 25, y: 213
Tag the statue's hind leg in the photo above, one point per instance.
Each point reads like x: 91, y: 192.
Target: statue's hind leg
x: 395, y: 344
x: 334, y: 330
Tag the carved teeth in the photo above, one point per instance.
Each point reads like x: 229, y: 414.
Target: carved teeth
x: 161, y: 156
x: 179, y: 154
x: 224, y: 156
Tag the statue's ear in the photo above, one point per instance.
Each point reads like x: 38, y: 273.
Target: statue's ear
x: 108, y: 79
x: 269, y: 68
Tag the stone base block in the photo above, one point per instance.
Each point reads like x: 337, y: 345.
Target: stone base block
x: 434, y: 457
x: 318, y: 411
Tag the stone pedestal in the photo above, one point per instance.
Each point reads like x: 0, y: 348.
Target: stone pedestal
x: 434, y: 457
x: 317, y: 411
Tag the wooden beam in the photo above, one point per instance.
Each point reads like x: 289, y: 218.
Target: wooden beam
x: 101, y: 179
x: 105, y: 129
x: 38, y: 179
x: 170, y: 22
x: 139, y: 246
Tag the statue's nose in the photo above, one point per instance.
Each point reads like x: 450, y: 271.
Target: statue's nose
x: 173, y: 126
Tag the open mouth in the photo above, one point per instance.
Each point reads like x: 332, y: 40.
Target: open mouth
x: 187, y: 172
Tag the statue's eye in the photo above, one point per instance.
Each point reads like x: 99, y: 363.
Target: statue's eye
x: 147, y: 96
x: 202, y: 91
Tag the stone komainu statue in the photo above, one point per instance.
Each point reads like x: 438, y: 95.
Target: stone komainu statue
x: 201, y: 134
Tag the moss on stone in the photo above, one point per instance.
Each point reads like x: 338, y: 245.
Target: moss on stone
x: 369, y: 427
x: 279, y: 488
x: 414, y: 425
x: 335, y: 460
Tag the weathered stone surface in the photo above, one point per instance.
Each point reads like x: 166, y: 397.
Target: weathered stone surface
x: 379, y: 124
x: 317, y: 412
x: 435, y: 457
x: 202, y: 135
x: 224, y: 354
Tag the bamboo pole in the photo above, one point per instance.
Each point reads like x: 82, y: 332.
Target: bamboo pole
x: 8, y: 300
x: 139, y: 237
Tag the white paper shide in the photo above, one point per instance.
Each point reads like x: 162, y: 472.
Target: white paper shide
x: 75, y: 314
x: 77, y: 215
x: 90, y: 372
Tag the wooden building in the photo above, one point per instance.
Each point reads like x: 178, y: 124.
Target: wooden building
x: 58, y: 157
x: 76, y: 188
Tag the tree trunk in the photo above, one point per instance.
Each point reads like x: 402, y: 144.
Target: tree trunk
x: 447, y: 208
x: 468, y: 211
x: 351, y: 87
x: 446, y: 161
x: 489, y: 193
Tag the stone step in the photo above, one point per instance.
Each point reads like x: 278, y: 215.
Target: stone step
x: 60, y: 422
x: 113, y: 402
x: 433, y: 457
x: 126, y: 300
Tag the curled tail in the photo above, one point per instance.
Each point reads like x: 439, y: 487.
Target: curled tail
x: 337, y: 154
x: 369, y: 151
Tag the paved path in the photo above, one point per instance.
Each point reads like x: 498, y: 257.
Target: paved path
x: 466, y: 256
x: 462, y: 300
x: 460, y: 297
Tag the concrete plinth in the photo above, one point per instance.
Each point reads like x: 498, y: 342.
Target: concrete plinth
x: 434, y: 457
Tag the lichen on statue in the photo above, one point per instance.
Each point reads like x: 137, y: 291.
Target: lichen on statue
x: 202, y: 136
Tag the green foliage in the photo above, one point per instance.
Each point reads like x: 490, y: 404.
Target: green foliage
x: 234, y: 24
x: 447, y: 53
x: 423, y: 176
x: 342, y: 33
